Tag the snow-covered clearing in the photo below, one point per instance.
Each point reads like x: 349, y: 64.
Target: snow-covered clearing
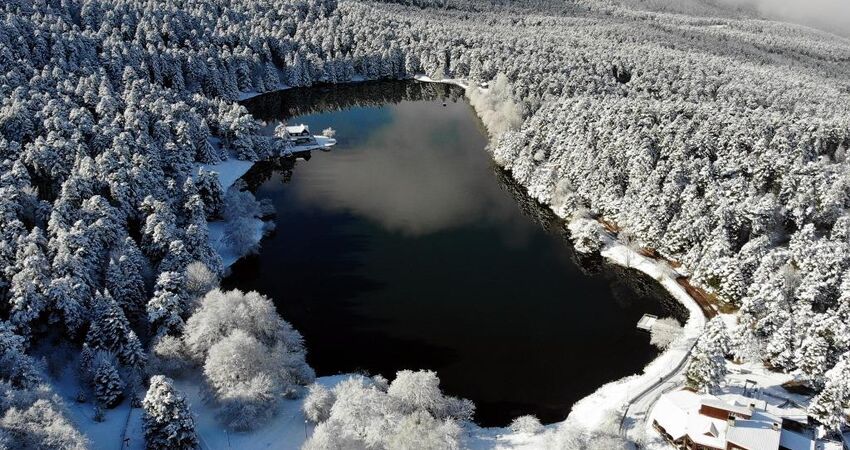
x: 287, y: 430
x: 108, y: 434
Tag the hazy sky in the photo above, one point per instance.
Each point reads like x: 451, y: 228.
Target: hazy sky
x: 830, y: 15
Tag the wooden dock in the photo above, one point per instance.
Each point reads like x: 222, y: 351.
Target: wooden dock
x: 646, y: 322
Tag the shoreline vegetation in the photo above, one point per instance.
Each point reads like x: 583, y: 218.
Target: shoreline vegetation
x: 645, y: 260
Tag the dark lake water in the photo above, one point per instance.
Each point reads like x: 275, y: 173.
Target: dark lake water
x: 406, y: 248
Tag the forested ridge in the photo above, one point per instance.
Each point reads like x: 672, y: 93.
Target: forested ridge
x: 716, y: 138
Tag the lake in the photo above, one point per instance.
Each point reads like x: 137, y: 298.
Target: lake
x: 405, y: 247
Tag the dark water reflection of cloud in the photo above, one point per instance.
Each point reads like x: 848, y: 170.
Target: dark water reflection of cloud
x: 434, y: 176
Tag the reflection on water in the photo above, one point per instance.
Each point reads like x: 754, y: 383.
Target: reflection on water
x: 404, y: 247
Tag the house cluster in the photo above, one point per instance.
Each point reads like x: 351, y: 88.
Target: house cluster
x: 692, y: 421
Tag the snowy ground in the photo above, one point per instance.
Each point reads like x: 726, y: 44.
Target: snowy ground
x: 287, y: 430
x: 455, y: 81
x: 118, y: 423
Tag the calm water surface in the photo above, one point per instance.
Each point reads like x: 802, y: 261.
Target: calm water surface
x: 405, y: 248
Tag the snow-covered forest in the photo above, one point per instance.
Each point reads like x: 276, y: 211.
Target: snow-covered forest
x: 718, y: 140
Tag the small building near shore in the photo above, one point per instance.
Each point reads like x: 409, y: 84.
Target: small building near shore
x: 298, y: 130
x: 693, y: 421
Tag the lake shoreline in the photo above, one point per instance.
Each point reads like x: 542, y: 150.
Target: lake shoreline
x: 617, y: 253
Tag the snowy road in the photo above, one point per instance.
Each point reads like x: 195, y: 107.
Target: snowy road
x: 666, y: 371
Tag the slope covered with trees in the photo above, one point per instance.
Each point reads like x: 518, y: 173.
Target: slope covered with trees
x: 718, y: 140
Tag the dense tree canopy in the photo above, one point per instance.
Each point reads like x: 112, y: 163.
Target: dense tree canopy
x: 719, y: 140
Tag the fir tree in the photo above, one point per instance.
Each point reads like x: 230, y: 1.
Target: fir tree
x: 124, y: 279
x: 828, y: 407
x: 108, y: 387
x: 707, y: 365
x: 167, y: 420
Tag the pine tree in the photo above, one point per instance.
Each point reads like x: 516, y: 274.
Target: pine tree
x: 211, y: 192
x: 166, y: 308
x: 167, y: 420
x: 108, y: 387
x: 124, y: 278
x: 110, y: 331
x: 813, y: 357
x: 28, y: 290
x: 16, y: 368
x: 707, y: 366
x: 828, y: 406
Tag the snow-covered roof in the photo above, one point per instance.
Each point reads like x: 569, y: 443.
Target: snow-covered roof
x: 795, y: 441
x: 297, y: 129
x: 758, y: 433
x: 779, y: 408
x: 714, y: 402
x: 678, y: 413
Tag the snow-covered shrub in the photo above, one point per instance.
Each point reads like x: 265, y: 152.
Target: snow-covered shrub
x: 420, y: 430
x: 220, y: 312
x: 167, y: 356
x: 460, y: 409
x: 167, y: 420
x: 242, y: 213
x: 249, y: 404
x: 31, y: 415
x: 199, y: 279
x: 664, y: 332
x: 39, y: 423
x: 605, y: 435
x: 526, y: 424
x: 496, y: 106
x: 363, y: 415
x: 380, y: 382
x: 318, y: 403
x: 235, y: 360
x: 586, y: 235
x: 417, y: 390
x: 242, y: 235
x: 251, y: 357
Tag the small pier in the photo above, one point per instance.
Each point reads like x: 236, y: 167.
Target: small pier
x: 646, y: 322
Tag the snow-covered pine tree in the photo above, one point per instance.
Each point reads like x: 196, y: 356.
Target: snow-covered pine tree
x: 110, y: 331
x: 108, y: 387
x: 830, y: 404
x: 124, y: 280
x: 211, y: 192
x: 166, y: 307
x: 168, y: 422
x: 28, y: 290
x: 707, y: 366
